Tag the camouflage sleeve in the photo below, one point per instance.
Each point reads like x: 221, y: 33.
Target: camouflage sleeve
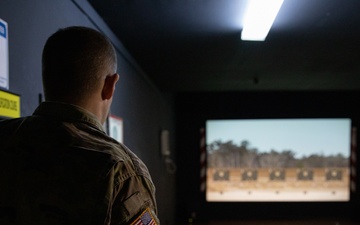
x: 130, y: 196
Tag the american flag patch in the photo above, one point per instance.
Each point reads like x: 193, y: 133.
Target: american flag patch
x: 145, y: 219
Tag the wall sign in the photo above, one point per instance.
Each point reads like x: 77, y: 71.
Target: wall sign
x: 116, y: 128
x: 4, y: 55
x: 9, y: 105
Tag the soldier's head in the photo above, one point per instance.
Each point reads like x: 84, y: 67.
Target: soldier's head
x: 75, y: 62
x: 79, y: 67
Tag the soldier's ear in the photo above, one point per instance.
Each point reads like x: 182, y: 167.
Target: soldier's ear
x: 109, y: 86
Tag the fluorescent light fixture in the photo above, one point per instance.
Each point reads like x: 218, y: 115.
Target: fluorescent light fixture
x: 259, y: 16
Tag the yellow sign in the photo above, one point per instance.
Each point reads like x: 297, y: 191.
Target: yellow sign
x: 9, y: 105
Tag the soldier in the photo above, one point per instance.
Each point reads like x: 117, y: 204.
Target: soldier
x: 58, y: 166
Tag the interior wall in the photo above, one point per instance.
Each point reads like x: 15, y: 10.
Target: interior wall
x: 193, y: 109
x: 144, y: 110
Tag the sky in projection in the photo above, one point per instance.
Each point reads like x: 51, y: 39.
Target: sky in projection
x: 302, y: 136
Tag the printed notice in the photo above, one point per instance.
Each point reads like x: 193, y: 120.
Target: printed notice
x: 4, y: 55
x: 9, y: 105
x: 116, y: 128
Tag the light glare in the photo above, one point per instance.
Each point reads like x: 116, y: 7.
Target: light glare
x: 259, y: 17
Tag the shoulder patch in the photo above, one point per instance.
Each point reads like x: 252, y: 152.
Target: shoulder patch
x: 145, y: 218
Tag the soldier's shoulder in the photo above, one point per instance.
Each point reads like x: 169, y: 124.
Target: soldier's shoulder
x: 7, y: 126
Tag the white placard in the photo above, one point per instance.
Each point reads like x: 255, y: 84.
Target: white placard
x: 4, y: 55
x: 116, y: 128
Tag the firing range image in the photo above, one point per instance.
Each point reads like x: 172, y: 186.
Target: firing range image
x: 241, y: 172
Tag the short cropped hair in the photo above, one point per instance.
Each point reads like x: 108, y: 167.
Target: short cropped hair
x: 73, y: 61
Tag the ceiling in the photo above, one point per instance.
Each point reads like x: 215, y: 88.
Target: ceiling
x: 195, y: 45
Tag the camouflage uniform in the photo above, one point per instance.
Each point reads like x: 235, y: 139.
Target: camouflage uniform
x: 58, y: 166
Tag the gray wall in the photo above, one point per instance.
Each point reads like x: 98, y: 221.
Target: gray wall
x: 144, y: 110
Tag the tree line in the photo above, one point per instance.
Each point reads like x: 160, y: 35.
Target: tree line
x: 229, y: 155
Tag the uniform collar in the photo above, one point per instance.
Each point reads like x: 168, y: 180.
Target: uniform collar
x: 68, y: 112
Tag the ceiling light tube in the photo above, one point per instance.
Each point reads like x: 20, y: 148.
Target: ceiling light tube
x: 259, y: 17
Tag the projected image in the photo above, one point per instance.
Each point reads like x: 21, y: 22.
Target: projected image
x: 278, y: 160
